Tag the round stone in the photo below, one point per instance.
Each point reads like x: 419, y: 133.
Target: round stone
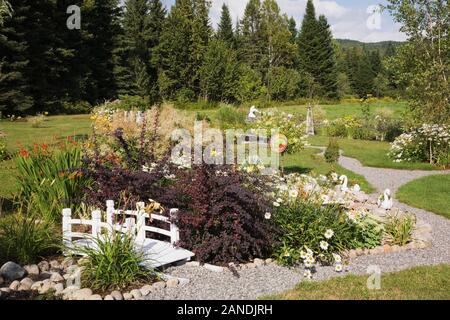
x: 82, y: 294
x: 32, y: 270
x: 117, y: 295
x: 258, y: 262
x: 56, y: 277
x: 14, y: 285
x: 25, y: 284
x: 172, y: 283
x: 109, y: 297
x: 44, y: 266
x: 127, y: 296
x: 95, y: 297
x: 145, y: 290
x: 159, y: 285
x: 136, y: 294
x: 11, y: 271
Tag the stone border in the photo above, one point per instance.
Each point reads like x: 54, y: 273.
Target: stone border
x: 422, y: 239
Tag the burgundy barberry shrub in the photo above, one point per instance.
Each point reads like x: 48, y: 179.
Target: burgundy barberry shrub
x: 222, y: 214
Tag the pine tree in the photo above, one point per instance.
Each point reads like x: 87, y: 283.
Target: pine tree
x: 225, y: 28
x: 100, y: 31
x: 326, y: 61
x: 276, y: 37
x: 293, y: 30
x: 14, y: 91
x: 251, y: 35
x: 219, y: 72
x: 136, y: 42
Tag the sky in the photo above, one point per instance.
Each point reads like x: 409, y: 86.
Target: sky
x: 349, y: 19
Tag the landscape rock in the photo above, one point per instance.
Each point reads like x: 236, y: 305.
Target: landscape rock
x: 59, y: 287
x: 36, y: 286
x: 172, y: 283
x: 68, y: 262
x: 1, y: 281
x: 46, y: 286
x: 33, y: 269
x: 127, y: 296
x: 45, y: 275
x: 145, y: 290
x: 25, y: 284
x: 258, y: 262
x: 193, y: 264
x: 117, y: 295
x: 82, y: 294
x: 387, y: 248
x: 44, y: 266
x: 269, y: 261
x: 159, y: 285
x: 14, y: 285
x: 213, y: 268
x: 251, y: 265
x: 55, y: 265
x: 136, y: 293
x: 11, y: 271
x: 6, y: 290
x: 108, y: 298
x: 56, y: 277
x: 95, y: 297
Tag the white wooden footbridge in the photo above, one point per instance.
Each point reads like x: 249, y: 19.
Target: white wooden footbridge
x: 138, y: 223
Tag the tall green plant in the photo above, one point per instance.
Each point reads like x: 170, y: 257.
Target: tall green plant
x: 26, y: 240
x: 50, y: 179
x: 113, y: 262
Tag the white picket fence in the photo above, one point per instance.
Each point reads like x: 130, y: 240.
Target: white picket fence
x: 135, y: 222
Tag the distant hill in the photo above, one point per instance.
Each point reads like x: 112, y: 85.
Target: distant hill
x: 382, y: 46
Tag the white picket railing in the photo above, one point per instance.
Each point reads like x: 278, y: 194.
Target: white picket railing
x: 135, y: 222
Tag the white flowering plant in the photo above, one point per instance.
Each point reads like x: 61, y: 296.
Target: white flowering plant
x: 288, y: 125
x: 428, y: 143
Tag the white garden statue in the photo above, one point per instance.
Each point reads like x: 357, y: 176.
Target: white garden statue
x: 252, y: 113
x: 385, y: 201
x: 344, y: 180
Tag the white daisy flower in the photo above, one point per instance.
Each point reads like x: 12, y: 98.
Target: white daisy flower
x: 279, y: 200
x: 303, y: 254
x: 307, y: 274
x: 329, y: 234
x: 337, y: 258
x: 324, y: 245
x: 276, y: 204
x: 338, y: 268
x: 268, y: 215
x: 293, y: 193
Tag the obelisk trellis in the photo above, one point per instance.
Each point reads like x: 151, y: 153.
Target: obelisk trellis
x: 310, y: 122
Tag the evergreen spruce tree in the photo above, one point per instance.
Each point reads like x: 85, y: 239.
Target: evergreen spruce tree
x: 15, y: 96
x: 225, y: 28
x: 251, y: 38
x: 326, y: 61
x: 293, y: 30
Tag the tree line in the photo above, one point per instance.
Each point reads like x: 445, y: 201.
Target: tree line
x: 143, y: 49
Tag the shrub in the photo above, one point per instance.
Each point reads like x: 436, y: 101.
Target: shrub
x: 368, y: 232
x: 113, y: 263
x: 428, y: 143
x: 230, y: 117
x: 222, y: 215
x: 398, y: 229
x: 25, y: 240
x: 79, y: 107
x: 332, y: 152
x: 37, y: 121
x: 3, y: 149
x: 50, y: 179
x: 128, y: 103
x: 304, y: 226
x: 184, y: 97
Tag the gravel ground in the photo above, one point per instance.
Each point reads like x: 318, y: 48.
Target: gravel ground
x: 254, y: 283
x: 383, y: 179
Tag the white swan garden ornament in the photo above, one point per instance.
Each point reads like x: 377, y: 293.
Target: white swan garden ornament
x: 356, y: 188
x: 344, y: 180
x: 385, y: 201
x: 252, y: 113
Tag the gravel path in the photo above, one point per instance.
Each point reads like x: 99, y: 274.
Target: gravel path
x: 254, y: 283
x: 383, y: 179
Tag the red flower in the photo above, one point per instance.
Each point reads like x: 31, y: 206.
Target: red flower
x: 24, y: 153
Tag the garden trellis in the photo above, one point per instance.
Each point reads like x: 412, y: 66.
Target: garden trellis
x: 158, y: 253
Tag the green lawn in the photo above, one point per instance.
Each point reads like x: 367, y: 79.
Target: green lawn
x: 22, y: 133
x: 370, y: 153
x: 335, y: 111
x: 430, y: 193
x: 309, y: 161
x: 422, y: 283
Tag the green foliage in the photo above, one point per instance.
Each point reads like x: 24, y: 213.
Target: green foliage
x: 25, y: 240
x: 79, y: 107
x: 332, y: 152
x: 219, y: 72
x: 398, y: 229
x: 422, y: 65
x: 230, y: 117
x: 368, y: 232
x: 284, y: 83
x: 133, y: 103
x: 113, y: 263
x: 3, y: 148
x: 50, y: 180
x: 225, y: 28
x: 304, y: 225
x: 249, y: 85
